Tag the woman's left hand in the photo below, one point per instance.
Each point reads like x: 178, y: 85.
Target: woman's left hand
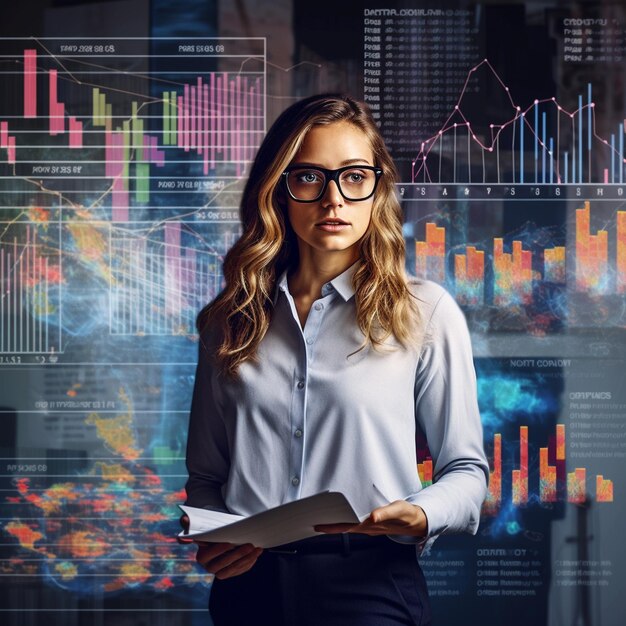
x: 397, y: 518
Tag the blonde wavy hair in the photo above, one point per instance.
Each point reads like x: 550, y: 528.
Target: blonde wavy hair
x: 268, y: 245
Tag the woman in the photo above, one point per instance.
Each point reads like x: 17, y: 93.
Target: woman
x: 317, y: 361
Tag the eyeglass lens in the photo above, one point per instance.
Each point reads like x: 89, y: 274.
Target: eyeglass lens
x: 309, y: 183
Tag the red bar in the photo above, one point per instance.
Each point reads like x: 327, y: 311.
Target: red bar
x: 76, y: 133
x: 30, y: 83
x: 4, y: 134
x: 52, y: 105
x: 11, y: 149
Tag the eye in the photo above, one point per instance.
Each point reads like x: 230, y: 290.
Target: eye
x: 309, y: 176
x: 354, y: 177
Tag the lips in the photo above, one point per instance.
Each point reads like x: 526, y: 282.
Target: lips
x: 332, y: 222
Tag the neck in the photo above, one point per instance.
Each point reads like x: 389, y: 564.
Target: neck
x: 313, y: 271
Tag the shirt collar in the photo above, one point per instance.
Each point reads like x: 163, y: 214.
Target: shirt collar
x: 342, y: 284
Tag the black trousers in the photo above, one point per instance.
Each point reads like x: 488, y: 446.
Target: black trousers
x: 333, y: 580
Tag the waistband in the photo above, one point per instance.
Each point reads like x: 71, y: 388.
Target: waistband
x: 338, y: 543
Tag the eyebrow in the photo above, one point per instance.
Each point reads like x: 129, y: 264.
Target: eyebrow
x: 343, y: 163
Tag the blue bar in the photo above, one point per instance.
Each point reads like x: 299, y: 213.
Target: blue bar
x: 589, y: 117
x: 543, y: 152
x: 521, y: 149
x: 566, y: 161
x: 621, y: 154
x: 580, y: 141
x: 551, y: 161
x: 536, y: 137
x: 612, y: 158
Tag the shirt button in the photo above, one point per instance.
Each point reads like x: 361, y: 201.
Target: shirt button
x: 319, y: 306
x: 300, y: 384
x: 295, y: 481
x: 298, y: 433
x: 309, y: 340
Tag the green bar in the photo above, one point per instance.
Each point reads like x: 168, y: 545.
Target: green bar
x: 96, y: 105
x: 103, y: 108
x: 142, y: 193
x: 108, y: 122
x: 166, y: 118
x: 174, y: 118
x: 137, y: 134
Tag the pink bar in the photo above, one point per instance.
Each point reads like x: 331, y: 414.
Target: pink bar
x: 238, y: 108
x: 200, y: 115
x: 606, y: 175
x: 211, y: 120
x: 205, y: 130
x: 230, y: 107
x: 76, y: 133
x: 181, y: 122
x: 226, y: 113
x: 119, y: 201
x: 217, y: 119
x: 60, y: 117
x: 30, y: 83
x: 4, y: 134
x: 11, y: 149
x: 186, y: 118
x: 52, y: 108
x: 192, y: 117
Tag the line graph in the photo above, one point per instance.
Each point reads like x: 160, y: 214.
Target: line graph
x: 542, y: 143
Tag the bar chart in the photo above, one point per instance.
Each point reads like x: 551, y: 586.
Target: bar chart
x: 30, y: 286
x: 548, y: 259
x: 161, y: 278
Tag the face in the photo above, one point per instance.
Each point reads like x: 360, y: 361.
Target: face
x: 331, y: 227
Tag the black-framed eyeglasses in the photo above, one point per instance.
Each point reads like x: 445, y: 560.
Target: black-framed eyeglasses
x: 308, y: 184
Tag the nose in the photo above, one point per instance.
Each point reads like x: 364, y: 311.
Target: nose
x: 332, y: 195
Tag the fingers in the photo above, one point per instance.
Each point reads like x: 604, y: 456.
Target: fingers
x: 399, y: 516
x: 225, y: 560
x: 184, y: 522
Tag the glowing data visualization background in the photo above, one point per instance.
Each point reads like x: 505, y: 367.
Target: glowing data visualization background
x: 124, y: 177
x: 121, y: 167
x: 122, y: 161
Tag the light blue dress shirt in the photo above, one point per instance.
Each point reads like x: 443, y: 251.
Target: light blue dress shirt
x: 312, y: 413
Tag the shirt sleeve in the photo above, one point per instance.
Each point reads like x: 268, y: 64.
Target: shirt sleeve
x: 446, y: 409
x: 208, y: 458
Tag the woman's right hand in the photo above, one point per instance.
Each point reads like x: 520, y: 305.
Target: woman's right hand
x: 224, y: 560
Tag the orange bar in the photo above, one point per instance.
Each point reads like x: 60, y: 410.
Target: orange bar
x: 560, y: 442
x: 460, y: 269
x: 621, y: 252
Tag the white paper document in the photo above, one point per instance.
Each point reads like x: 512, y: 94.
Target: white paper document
x: 283, y: 524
